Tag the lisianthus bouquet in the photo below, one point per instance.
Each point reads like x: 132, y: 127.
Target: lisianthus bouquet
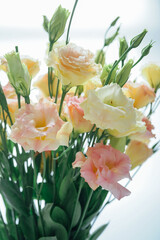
x: 64, y: 152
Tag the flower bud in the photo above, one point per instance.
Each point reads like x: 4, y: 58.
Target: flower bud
x: 18, y: 74
x: 100, y: 57
x: 3, y: 101
x: 152, y: 74
x: 106, y: 70
x: 109, y: 40
x: 57, y: 24
x: 124, y: 73
x: 145, y: 51
x: 123, y: 45
x: 135, y: 42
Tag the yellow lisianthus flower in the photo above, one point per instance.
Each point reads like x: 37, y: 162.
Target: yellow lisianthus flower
x: 152, y: 75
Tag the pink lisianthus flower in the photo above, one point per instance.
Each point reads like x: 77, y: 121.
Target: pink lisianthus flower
x: 38, y: 127
x: 104, y: 166
x: 75, y: 114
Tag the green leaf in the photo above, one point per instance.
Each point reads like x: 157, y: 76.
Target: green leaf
x: 58, y: 215
x: 98, y: 232
x: 47, y: 192
x: 28, y: 189
x: 45, y: 23
x: 68, y: 194
x: 88, y: 220
x: 109, y: 40
x: 28, y: 227
x: 48, y: 238
x: 118, y: 143
x: 51, y: 227
x: 13, y: 196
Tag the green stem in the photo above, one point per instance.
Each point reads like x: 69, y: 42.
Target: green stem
x: 57, y: 90
x: 54, y: 175
x: 27, y: 100
x: 44, y: 172
x: 137, y: 61
x: 75, y: 206
x: 37, y: 193
x: 70, y: 21
x: 19, y: 100
x: 50, y: 81
x: 116, y: 63
x: 64, y: 92
x: 6, y: 230
x: 84, y: 213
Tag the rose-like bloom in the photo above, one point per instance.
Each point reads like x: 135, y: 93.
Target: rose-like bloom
x: 110, y: 109
x: 142, y: 94
x: 39, y: 128
x: 138, y: 152
x: 32, y: 65
x: 152, y: 75
x: 73, y: 64
x: 146, y: 135
x: 104, y: 166
x: 74, y: 114
x: 42, y: 84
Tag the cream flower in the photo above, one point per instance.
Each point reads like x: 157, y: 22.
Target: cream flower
x: 142, y: 94
x: 152, y: 75
x: 74, y: 64
x: 110, y: 109
x: 39, y: 128
x: 92, y: 84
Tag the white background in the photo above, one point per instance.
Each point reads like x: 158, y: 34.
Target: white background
x: 136, y: 217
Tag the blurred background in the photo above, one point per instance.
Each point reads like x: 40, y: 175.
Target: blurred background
x: 137, y: 216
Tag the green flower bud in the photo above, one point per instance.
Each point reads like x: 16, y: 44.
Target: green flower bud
x: 3, y: 101
x: 124, y: 73
x: 145, y: 51
x: 100, y: 57
x: 18, y: 74
x: 57, y: 24
x: 135, y: 42
x: 106, y: 70
x: 109, y: 40
x: 114, y: 22
x: 123, y: 46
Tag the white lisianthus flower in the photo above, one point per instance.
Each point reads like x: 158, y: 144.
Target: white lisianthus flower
x: 74, y: 65
x: 110, y: 109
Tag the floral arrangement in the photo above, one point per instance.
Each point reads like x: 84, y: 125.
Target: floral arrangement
x: 63, y: 155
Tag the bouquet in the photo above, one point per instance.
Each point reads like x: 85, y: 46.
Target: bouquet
x: 64, y: 152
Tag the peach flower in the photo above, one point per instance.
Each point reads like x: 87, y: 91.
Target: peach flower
x: 104, y: 166
x: 12, y: 101
x: 42, y: 84
x: 142, y: 94
x: 138, y: 152
x: 39, y: 128
x: 75, y: 113
x: 74, y: 64
x: 146, y: 135
x: 152, y: 74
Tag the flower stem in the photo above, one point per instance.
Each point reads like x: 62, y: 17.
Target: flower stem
x: 75, y: 206
x: 64, y: 92
x: 74, y: 7
x: 84, y: 213
x: 37, y: 193
x: 57, y: 90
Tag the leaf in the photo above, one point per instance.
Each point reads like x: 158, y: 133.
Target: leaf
x: 98, y: 232
x: 28, y: 227
x: 48, y: 238
x: 28, y: 183
x: 88, y: 220
x: 13, y: 196
x: 51, y: 227
x: 68, y: 194
x: 47, y: 192
x: 58, y: 215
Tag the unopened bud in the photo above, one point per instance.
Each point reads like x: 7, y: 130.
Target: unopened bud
x: 57, y: 24
x: 123, y: 46
x: 3, y: 101
x: 135, y: 42
x: 18, y: 74
x: 100, y: 57
x: 105, y: 72
x: 145, y: 51
x: 124, y: 73
x: 109, y: 40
